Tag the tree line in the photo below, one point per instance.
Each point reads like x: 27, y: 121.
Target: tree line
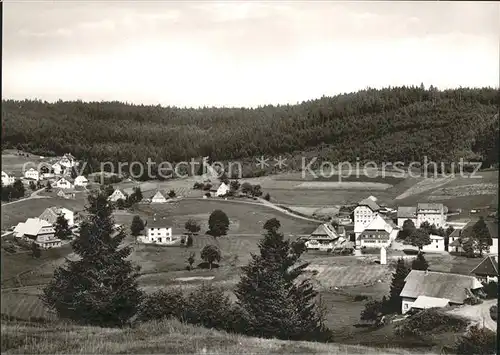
x: 390, y: 124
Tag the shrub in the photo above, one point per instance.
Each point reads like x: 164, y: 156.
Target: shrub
x: 430, y: 320
x: 491, y: 289
x: 473, y: 300
x: 358, y: 298
x: 210, y: 307
x: 494, y: 312
x: 161, y: 304
x: 477, y: 341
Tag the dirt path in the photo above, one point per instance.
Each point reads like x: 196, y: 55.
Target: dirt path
x: 33, y: 195
x: 425, y: 185
x: 478, y: 314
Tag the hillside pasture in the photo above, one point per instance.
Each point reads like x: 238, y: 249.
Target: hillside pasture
x: 244, y: 218
x: 14, y: 213
x: 25, y: 306
x: 12, y: 163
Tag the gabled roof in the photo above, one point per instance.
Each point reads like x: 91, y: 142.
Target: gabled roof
x: 325, y: 229
x: 488, y: 266
x: 454, y: 287
x: 435, y: 237
x: 378, y: 224
x: 157, y: 223
x: 424, y: 302
x: 369, y: 203
x: 467, y: 230
x: 158, y: 195
x: 81, y: 177
x: 407, y: 212
x: 32, y: 226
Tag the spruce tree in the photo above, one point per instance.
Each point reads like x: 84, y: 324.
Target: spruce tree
x: 397, y: 285
x: 419, y: 263
x: 275, y: 298
x: 100, y: 287
x: 62, y: 230
x: 137, y: 226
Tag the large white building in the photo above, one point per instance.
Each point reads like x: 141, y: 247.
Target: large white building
x: 364, y: 214
x: 157, y: 232
x: 7, y: 179
x: 433, y: 213
x: 32, y: 174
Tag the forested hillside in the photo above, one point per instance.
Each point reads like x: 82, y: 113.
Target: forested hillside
x: 392, y: 124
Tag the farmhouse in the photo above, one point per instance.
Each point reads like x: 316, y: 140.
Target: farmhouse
x: 433, y: 213
x: 63, y: 183
x: 158, y: 233
x: 437, y: 244
x: 7, y: 179
x: 451, y: 289
x: 158, y: 198
x: 364, y: 213
x: 117, y: 195
x: 459, y: 236
x: 425, y: 302
x: 81, y: 181
x: 405, y: 213
x: 50, y: 215
x: 379, y: 233
x: 32, y: 174
x: 487, y: 269
x: 323, y: 238
x: 67, y: 194
x: 39, y: 231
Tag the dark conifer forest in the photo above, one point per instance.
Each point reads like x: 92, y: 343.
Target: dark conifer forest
x: 391, y: 124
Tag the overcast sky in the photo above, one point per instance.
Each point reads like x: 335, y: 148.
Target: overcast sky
x: 242, y: 53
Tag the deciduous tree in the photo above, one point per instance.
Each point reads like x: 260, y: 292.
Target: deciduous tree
x: 218, y: 223
x: 210, y: 254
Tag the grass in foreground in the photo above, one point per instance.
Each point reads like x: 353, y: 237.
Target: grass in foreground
x: 167, y: 337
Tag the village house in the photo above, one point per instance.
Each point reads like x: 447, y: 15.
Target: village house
x: 487, y: 269
x: 364, y: 213
x: 68, y: 161
x: 7, y: 179
x: 57, y: 168
x: 81, y: 181
x: 63, y: 183
x: 442, y: 288
x: 157, y: 232
x: 67, y: 194
x: 50, y: 215
x: 158, y: 198
x: 32, y: 174
x: 324, y: 237
x: 459, y: 236
x: 436, y: 245
x: 433, y: 213
x: 380, y: 232
x: 222, y: 190
x: 117, y: 195
x: 405, y: 213
x: 39, y: 231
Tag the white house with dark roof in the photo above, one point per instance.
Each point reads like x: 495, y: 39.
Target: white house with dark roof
x: 380, y: 232
x: 39, y: 231
x: 364, y: 213
x: 433, y: 213
x: 68, y: 161
x: 452, y: 289
x: 158, y: 232
x: 404, y: 213
x: 487, y: 269
x: 436, y: 245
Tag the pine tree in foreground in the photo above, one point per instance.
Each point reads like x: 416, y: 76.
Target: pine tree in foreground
x: 419, y: 263
x: 397, y: 285
x: 100, y: 288
x: 275, y: 298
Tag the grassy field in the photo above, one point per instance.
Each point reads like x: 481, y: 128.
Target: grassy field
x: 17, y: 212
x: 244, y: 218
x: 13, y: 163
x: 165, y: 337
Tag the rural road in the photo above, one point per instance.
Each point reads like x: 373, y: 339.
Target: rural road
x: 478, y: 314
x: 33, y: 195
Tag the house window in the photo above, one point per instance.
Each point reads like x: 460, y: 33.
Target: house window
x: 159, y: 240
x: 437, y: 246
x: 406, y: 306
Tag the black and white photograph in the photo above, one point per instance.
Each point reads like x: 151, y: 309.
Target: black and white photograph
x: 249, y: 177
